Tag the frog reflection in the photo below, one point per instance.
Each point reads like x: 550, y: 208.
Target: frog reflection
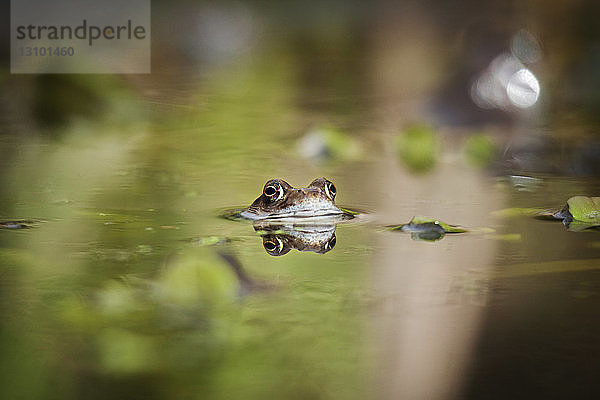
x: 278, y: 240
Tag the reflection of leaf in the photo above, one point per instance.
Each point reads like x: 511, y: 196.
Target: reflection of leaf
x: 578, y: 226
x: 550, y: 267
x: 508, y: 237
x: 427, y: 236
x: 585, y: 209
x: 516, y: 212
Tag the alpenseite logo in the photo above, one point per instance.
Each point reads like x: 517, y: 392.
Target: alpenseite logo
x: 80, y: 36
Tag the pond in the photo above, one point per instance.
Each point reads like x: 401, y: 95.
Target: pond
x: 122, y: 279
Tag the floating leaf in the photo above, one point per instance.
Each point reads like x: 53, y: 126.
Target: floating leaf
x: 585, y: 209
x: 580, y: 213
x: 232, y: 214
x: 424, y: 226
x: 446, y: 227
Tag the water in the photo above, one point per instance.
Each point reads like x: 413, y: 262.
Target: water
x: 119, y: 288
x: 130, y: 284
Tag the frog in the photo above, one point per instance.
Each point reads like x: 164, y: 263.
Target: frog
x: 280, y: 200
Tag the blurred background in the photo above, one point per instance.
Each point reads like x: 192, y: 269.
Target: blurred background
x: 121, y: 283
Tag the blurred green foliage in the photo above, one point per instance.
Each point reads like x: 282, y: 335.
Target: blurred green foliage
x: 418, y: 147
x: 328, y: 143
x: 479, y: 150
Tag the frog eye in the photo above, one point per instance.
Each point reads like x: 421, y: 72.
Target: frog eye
x: 273, y: 191
x: 273, y: 245
x: 330, y: 190
x: 330, y: 244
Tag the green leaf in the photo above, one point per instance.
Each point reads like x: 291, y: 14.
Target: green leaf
x: 348, y: 211
x: 446, y: 227
x: 585, y: 209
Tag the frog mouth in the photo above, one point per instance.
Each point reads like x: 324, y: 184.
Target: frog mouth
x: 302, y: 210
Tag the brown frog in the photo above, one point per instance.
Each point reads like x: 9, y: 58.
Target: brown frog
x: 280, y: 200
